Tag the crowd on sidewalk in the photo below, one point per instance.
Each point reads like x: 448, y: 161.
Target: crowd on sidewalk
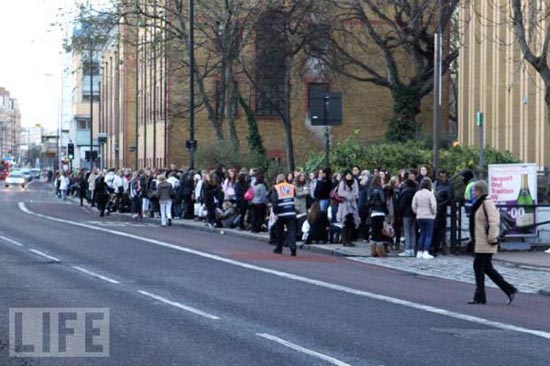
x: 406, y: 211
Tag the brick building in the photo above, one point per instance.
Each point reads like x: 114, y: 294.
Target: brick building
x: 144, y: 105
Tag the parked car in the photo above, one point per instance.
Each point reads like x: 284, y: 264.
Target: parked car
x: 16, y: 178
x: 27, y: 174
x: 35, y: 173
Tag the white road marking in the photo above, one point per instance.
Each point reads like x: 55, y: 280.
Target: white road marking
x: 178, y: 305
x: 96, y: 275
x: 290, y: 276
x: 11, y: 241
x: 309, y: 352
x: 42, y: 254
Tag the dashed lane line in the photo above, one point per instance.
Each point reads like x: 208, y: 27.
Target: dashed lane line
x: 42, y: 254
x: 180, y: 306
x: 96, y: 275
x: 304, y: 350
x: 11, y: 241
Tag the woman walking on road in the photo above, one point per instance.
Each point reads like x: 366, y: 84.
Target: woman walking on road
x: 424, y: 205
x: 484, y: 231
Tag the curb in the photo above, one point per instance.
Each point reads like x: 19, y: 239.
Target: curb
x: 531, y: 267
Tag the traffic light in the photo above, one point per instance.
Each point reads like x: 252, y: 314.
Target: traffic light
x: 70, y: 151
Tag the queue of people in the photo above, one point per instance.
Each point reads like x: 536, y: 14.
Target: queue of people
x: 320, y: 207
x: 355, y: 205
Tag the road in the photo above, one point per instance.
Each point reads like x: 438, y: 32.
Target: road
x: 178, y: 296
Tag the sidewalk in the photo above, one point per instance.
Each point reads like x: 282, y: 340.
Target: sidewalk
x: 529, y: 271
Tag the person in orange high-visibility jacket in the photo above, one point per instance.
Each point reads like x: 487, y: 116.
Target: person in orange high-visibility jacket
x: 282, y: 198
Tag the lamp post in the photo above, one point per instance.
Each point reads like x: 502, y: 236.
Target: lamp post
x: 91, y: 55
x: 191, y: 144
x: 438, y: 55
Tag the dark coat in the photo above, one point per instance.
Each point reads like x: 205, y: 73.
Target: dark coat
x: 406, y: 198
x: 102, y: 191
x: 443, y: 195
x: 323, y: 189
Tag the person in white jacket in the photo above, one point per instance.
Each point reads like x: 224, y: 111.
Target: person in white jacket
x: 64, y: 183
x: 424, y: 205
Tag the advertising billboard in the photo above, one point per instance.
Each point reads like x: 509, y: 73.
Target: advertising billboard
x: 513, y: 187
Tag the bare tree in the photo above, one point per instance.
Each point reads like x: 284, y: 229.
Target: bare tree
x: 531, y: 24
x: 390, y: 44
x: 281, y: 29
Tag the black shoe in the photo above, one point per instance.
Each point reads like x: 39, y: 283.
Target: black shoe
x: 476, y: 302
x: 512, y: 296
x: 293, y: 253
x: 277, y: 251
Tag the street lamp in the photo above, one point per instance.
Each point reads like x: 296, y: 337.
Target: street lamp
x: 91, y: 55
x: 438, y: 55
x: 191, y: 143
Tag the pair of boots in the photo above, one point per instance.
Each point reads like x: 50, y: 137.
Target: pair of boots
x: 378, y: 250
x: 347, y: 236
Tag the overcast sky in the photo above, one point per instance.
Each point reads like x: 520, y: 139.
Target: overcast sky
x: 30, y: 62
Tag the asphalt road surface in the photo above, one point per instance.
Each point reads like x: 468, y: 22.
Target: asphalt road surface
x: 178, y: 296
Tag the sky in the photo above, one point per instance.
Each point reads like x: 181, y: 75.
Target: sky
x: 30, y: 58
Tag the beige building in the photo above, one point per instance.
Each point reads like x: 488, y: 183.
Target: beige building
x: 494, y: 80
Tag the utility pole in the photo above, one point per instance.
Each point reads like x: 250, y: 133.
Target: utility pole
x: 438, y: 55
x: 91, y: 55
x: 191, y: 144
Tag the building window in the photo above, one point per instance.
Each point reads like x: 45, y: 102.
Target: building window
x: 271, y: 49
x: 82, y: 125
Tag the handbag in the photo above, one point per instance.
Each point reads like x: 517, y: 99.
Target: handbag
x: 388, y: 231
x: 334, y: 195
x: 249, y: 195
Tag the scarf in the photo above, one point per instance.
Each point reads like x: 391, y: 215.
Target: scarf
x: 475, y: 207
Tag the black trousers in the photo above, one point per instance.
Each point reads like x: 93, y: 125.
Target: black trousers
x: 258, y: 216
x: 483, y: 266
x: 290, y: 224
x: 242, y: 207
x: 440, y: 230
